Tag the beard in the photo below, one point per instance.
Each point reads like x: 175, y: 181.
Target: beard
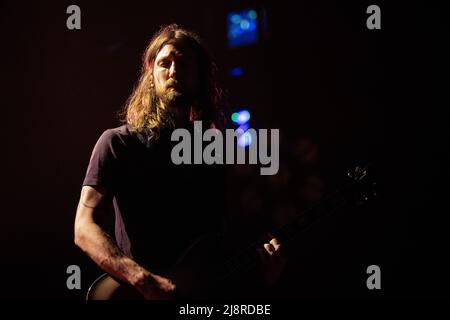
x: 174, y: 95
x: 172, y: 98
x: 174, y: 104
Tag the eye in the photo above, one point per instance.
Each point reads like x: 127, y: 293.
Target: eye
x: 164, y: 64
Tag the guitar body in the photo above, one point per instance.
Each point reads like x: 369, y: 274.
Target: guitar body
x: 197, y: 274
x: 106, y: 287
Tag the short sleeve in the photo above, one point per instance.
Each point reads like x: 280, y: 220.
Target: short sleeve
x: 104, y: 160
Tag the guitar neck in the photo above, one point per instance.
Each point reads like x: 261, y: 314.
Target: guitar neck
x: 249, y: 258
x: 306, y: 219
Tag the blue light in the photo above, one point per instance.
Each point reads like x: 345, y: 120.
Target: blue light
x: 244, y: 127
x: 245, y: 25
x: 252, y: 14
x: 243, y: 117
x: 242, y: 28
x: 245, y: 140
x: 237, y: 72
x: 235, y: 18
x: 240, y: 117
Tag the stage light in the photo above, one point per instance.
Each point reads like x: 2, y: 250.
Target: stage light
x: 240, y: 117
x: 244, y: 127
x: 243, y: 117
x: 245, y: 140
x: 242, y: 28
x: 252, y: 14
x: 237, y: 72
x: 245, y: 25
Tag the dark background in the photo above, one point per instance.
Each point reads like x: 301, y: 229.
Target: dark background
x: 341, y: 95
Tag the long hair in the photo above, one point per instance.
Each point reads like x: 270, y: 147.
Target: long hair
x: 144, y: 112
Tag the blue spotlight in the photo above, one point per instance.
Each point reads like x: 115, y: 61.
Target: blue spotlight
x: 244, y: 127
x: 245, y: 140
x: 243, y: 117
x: 237, y: 72
x: 240, y: 117
x: 242, y: 28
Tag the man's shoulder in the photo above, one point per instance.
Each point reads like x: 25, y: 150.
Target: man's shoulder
x: 117, y: 131
x: 121, y: 133
x: 117, y: 138
x: 127, y: 136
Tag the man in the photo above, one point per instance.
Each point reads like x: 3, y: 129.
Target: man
x: 160, y: 208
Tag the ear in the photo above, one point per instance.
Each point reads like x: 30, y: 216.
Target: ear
x: 148, y: 66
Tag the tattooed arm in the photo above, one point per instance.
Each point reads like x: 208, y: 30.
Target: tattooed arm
x: 100, y: 247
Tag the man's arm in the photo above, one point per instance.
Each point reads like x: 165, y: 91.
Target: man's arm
x: 99, y: 246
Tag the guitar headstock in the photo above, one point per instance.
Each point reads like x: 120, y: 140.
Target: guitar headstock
x: 363, y: 184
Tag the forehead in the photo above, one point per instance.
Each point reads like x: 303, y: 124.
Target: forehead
x: 175, y: 51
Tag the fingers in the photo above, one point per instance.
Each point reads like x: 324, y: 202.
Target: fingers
x: 164, y: 284
x: 169, y: 285
x: 274, y: 242
x: 272, y: 247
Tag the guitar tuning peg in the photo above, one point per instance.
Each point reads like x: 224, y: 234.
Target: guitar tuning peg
x: 358, y: 173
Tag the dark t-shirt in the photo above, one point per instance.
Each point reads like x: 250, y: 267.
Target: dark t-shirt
x: 160, y: 207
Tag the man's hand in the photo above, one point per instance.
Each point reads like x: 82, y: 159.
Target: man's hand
x: 274, y: 260
x: 155, y: 287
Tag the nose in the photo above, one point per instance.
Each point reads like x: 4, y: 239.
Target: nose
x: 173, y: 71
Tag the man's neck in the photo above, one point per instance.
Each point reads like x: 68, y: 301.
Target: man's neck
x: 181, y: 116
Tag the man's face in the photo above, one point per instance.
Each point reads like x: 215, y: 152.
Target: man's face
x: 176, y: 77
